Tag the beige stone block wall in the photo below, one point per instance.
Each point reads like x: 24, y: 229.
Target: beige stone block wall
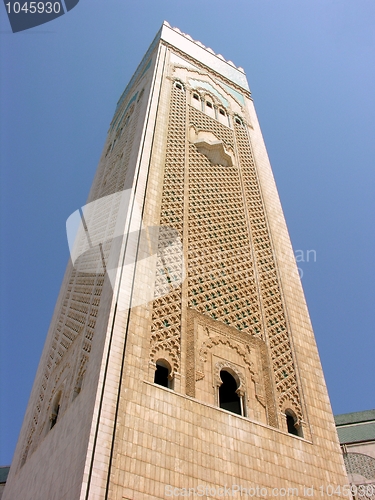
x: 143, y: 438
x: 169, y: 439
x: 313, y: 387
x: 75, y: 451
x: 56, y: 467
x: 165, y: 439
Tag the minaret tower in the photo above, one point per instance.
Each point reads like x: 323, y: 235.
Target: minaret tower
x: 180, y: 354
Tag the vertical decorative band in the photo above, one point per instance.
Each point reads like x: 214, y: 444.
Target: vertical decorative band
x: 166, y: 315
x: 272, y: 301
x: 74, y: 329
x: 221, y: 268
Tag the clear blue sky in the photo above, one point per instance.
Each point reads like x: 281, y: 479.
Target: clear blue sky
x: 310, y: 66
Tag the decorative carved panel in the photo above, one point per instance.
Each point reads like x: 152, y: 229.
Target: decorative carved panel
x: 232, y: 274
x: 270, y: 289
x: 166, y: 315
x: 77, y: 316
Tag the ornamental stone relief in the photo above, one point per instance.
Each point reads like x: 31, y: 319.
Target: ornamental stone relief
x: 231, y: 274
x: 76, y: 321
x: 166, y: 315
x: 210, y: 342
x: 233, y: 369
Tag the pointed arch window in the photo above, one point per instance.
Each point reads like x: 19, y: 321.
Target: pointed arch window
x: 209, y: 107
x: 163, y: 374
x: 238, y: 121
x: 292, y: 424
x: 55, y: 410
x: 179, y: 85
x: 229, y: 399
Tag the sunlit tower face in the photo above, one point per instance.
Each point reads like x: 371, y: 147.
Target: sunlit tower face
x: 180, y: 352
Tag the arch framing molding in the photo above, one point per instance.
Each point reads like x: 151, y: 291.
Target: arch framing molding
x: 234, y: 371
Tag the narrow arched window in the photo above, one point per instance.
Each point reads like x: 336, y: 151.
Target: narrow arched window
x: 196, y: 101
x: 222, y: 117
x: 228, y: 398
x: 163, y: 374
x: 291, y: 423
x: 179, y: 85
x: 55, y: 410
x: 238, y: 121
x: 140, y: 95
x: 209, y: 108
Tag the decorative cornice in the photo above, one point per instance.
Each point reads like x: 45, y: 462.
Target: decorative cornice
x: 200, y: 44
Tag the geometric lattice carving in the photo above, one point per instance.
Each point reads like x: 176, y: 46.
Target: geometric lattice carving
x: 232, y: 275
x: 76, y: 321
x: 166, y: 315
x: 359, y: 463
x: 220, y: 268
x: 273, y: 309
x: 80, y: 376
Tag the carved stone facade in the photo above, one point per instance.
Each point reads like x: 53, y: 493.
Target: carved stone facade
x: 213, y: 347
x: 73, y: 334
x: 232, y: 272
x: 180, y: 352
